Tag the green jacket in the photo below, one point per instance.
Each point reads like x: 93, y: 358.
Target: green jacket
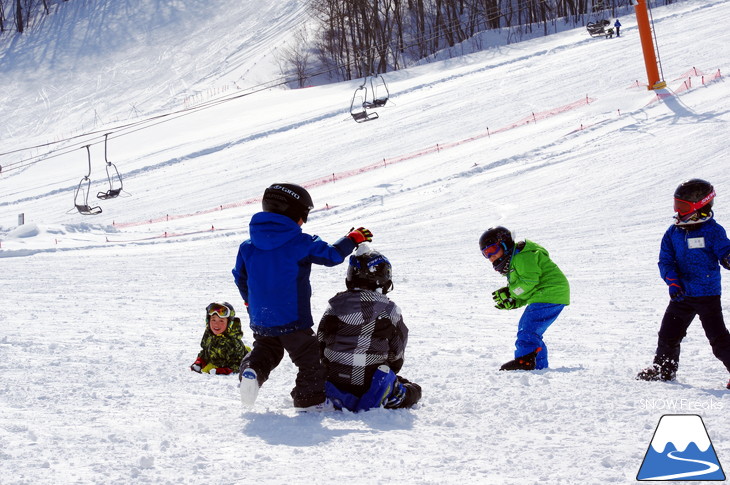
x: 534, y: 278
x: 226, y: 349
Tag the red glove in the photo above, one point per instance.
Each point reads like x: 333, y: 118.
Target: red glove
x: 360, y: 235
x: 224, y: 371
x: 198, y: 365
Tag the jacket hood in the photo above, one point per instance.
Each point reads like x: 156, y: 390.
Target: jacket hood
x: 529, y: 246
x: 269, y: 230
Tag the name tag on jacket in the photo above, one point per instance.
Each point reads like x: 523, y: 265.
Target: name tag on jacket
x: 696, y: 242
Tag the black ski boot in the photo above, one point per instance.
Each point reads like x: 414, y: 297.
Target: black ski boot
x: 656, y: 373
x: 526, y: 362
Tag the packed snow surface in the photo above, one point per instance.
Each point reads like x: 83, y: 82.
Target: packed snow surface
x: 555, y: 137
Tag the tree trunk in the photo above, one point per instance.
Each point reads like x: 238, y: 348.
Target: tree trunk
x: 19, y: 16
x: 2, y: 17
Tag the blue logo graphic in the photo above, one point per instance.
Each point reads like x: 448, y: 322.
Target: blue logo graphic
x: 681, y: 450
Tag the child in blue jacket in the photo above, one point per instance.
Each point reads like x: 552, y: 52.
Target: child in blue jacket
x: 692, y: 251
x: 272, y: 274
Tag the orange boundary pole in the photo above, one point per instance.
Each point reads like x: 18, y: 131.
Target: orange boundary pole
x: 647, y: 45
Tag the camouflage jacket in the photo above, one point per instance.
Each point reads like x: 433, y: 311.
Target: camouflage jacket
x: 226, y: 349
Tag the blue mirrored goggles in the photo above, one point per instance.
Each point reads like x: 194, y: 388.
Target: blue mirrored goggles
x: 371, y: 263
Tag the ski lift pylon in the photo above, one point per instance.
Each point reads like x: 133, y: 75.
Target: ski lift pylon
x: 113, y: 191
x: 83, y: 205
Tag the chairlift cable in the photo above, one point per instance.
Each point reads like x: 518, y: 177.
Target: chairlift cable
x: 125, y: 129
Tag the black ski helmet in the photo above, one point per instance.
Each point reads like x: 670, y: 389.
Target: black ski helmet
x: 498, y: 235
x: 369, y: 271
x: 290, y: 200
x: 693, y: 201
x: 222, y: 308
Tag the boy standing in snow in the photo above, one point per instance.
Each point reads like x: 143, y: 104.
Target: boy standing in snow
x: 272, y: 274
x: 688, y: 263
x: 534, y: 280
x: 222, y: 346
x: 362, y: 340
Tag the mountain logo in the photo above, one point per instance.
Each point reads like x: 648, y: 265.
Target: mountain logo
x: 681, y: 450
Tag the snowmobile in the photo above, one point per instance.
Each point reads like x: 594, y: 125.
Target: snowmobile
x: 600, y: 29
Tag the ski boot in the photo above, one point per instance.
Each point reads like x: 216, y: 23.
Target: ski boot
x: 405, y: 394
x: 323, y: 407
x: 526, y: 362
x: 249, y: 387
x: 656, y: 373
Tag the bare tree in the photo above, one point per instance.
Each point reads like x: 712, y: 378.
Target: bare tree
x: 295, y: 57
x: 2, y: 17
x: 19, y: 16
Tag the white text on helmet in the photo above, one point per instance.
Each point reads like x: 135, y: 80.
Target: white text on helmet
x: 288, y: 191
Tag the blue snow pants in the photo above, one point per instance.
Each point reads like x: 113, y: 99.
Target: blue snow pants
x: 381, y: 387
x: 536, y: 318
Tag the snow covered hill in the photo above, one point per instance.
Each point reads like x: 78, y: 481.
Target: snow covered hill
x: 101, y: 316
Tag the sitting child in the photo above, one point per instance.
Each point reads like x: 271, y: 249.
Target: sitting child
x: 362, y: 340
x: 222, y: 344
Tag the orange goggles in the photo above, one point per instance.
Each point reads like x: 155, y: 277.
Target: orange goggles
x: 684, y: 207
x: 220, y: 310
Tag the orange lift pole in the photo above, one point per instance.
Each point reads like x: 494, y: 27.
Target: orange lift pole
x: 647, y: 45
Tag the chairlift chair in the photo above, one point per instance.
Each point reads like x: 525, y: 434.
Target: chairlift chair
x: 113, y: 191
x: 357, y: 106
x: 379, y: 92
x: 82, y: 204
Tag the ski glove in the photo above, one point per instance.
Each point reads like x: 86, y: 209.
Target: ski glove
x: 223, y: 371
x: 360, y: 235
x: 198, y: 365
x: 725, y: 262
x: 503, y: 299
x: 676, y: 292
x: 396, y: 396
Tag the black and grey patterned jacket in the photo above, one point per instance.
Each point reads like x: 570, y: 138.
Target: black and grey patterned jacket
x: 359, y: 331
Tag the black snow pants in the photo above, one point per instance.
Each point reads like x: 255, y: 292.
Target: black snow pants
x: 674, y: 326
x: 303, y: 350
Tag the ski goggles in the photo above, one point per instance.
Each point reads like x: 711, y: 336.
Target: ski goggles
x: 491, y: 250
x: 684, y: 207
x: 218, y: 309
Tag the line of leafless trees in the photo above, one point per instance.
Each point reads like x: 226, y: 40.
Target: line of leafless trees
x: 355, y: 38
x: 18, y: 14
x: 360, y: 37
